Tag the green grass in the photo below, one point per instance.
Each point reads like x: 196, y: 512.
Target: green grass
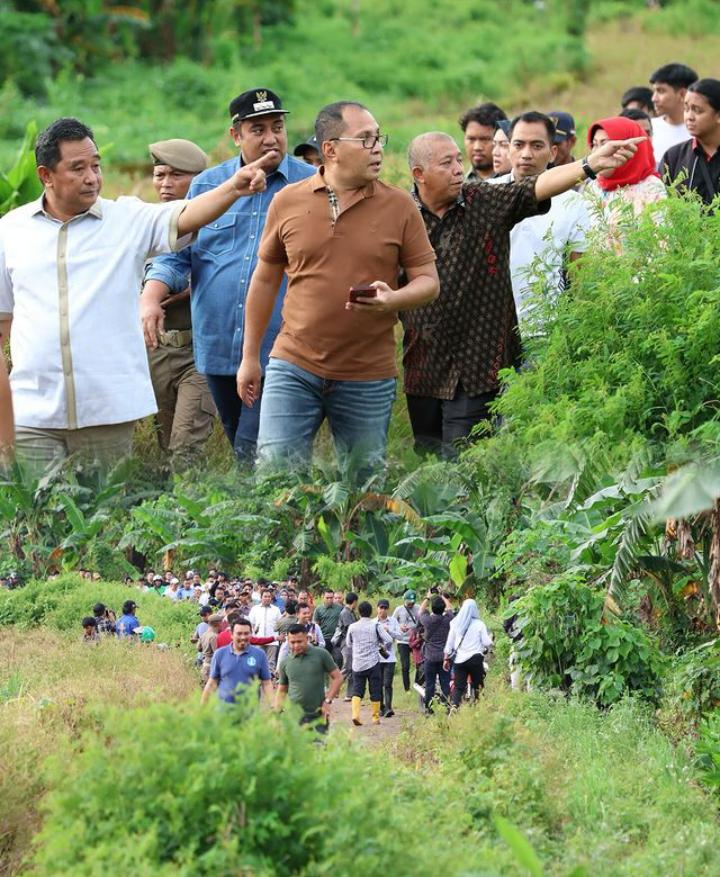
x: 409, y: 61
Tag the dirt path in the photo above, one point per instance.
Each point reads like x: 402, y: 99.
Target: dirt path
x: 406, y: 713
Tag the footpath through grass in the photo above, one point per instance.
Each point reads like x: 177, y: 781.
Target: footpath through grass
x: 604, y: 792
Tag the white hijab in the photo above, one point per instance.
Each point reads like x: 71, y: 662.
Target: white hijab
x: 468, y: 613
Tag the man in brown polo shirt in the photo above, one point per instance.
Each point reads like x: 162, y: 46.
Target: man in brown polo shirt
x: 335, y: 358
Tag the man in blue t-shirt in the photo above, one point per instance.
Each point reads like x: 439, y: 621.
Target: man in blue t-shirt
x: 236, y: 666
x: 128, y: 621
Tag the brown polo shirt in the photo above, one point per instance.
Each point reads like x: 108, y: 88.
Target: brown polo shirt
x: 376, y: 235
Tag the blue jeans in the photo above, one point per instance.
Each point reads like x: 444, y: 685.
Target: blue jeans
x: 294, y: 404
x: 240, y: 423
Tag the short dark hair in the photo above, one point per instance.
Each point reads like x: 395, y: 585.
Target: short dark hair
x: 438, y: 605
x: 640, y: 93
x: 675, y: 75
x: 351, y: 597
x: 635, y: 115
x: 266, y: 591
x: 291, y: 607
x: 328, y: 591
x: 296, y: 628
x: 709, y: 89
x: 330, y: 123
x: 89, y: 621
x: 47, y: 145
x: 232, y: 617
x: 383, y: 604
x: 530, y: 118
x: 240, y: 620
x: 365, y: 609
x: 302, y: 606
x: 484, y: 114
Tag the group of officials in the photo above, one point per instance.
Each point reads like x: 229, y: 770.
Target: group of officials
x: 272, y: 294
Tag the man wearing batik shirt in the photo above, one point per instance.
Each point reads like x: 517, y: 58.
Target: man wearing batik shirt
x: 455, y: 346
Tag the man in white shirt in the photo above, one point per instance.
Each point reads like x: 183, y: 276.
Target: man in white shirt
x: 71, y: 264
x: 545, y: 238
x: 263, y: 619
x: 669, y: 87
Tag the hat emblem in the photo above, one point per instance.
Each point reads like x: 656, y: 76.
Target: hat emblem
x: 260, y: 96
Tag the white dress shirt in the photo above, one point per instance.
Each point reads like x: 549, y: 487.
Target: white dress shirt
x: 545, y: 238
x: 264, y: 619
x: 665, y: 135
x: 72, y: 290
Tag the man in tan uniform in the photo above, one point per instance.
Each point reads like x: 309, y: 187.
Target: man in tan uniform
x: 186, y: 408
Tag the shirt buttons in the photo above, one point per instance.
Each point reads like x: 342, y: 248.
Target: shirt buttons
x: 247, y: 258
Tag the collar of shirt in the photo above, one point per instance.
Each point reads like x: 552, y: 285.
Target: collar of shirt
x: 319, y: 182
x: 700, y: 151
x: 459, y: 202
x: 38, y: 206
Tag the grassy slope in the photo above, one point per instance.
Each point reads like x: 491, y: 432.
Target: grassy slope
x: 601, y: 790
x: 52, y: 688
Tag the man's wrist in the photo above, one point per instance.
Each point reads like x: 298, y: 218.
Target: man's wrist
x: 592, y: 164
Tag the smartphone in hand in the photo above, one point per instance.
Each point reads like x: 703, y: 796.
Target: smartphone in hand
x: 362, y: 290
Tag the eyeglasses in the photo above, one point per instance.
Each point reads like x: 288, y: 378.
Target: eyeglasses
x: 367, y: 142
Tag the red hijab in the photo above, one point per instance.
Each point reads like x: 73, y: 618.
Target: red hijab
x: 640, y: 166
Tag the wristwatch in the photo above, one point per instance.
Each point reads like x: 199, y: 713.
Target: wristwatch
x: 587, y: 170
x: 328, y: 702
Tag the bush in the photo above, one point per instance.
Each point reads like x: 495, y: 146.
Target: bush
x: 708, y: 749
x: 691, y: 689
x: 567, y: 644
x: 630, y: 356
x: 61, y: 603
x: 184, y: 790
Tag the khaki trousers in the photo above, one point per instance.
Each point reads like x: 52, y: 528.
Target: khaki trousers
x: 40, y: 448
x: 186, y: 408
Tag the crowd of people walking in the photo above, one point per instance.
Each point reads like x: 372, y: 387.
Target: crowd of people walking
x: 275, y: 636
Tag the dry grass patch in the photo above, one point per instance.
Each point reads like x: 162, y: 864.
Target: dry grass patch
x: 51, y: 690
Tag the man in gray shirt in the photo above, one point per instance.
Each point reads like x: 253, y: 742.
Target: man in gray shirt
x: 365, y: 637
x: 407, y: 617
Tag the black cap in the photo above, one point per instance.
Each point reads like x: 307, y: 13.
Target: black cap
x: 383, y: 604
x: 99, y: 608
x: 311, y: 143
x: 564, y: 125
x: 253, y: 103
x: 128, y: 606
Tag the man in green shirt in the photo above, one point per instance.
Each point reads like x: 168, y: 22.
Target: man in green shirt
x: 327, y: 617
x: 302, y: 677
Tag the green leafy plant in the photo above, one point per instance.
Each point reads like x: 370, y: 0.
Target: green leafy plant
x: 567, y: 644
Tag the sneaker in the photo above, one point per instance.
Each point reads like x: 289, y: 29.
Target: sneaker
x: 347, y: 700
x: 388, y: 714
x: 420, y: 690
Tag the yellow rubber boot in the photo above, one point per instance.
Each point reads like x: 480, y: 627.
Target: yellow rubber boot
x: 375, y: 704
x: 356, y: 701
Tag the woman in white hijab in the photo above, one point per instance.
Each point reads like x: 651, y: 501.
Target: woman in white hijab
x: 467, y: 643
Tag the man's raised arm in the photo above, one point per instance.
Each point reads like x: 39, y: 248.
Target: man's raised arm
x: 261, y: 296
x: 609, y: 156
x: 202, y: 209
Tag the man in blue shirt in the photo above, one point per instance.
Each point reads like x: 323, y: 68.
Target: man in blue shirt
x: 236, y: 666
x: 128, y: 621
x: 220, y: 264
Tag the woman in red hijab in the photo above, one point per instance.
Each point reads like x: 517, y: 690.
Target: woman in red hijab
x: 637, y: 183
